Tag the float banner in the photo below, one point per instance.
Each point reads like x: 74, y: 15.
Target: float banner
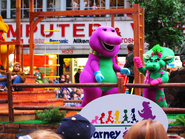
x: 113, y: 115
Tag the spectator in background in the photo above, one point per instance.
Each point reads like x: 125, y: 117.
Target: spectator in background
x: 75, y: 5
x: 2, y: 74
x: 182, y: 55
x: 73, y: 96
x: 26, y: 11
x: 63, y: 79
x: 55, y: 80
x: 64, y: 96
x: 121, y: 3
x: 17, y: 76
x: 85, y: 4
x: 68, y: 90
x: 89, y: 6
x: 82, y: 93
x: 39, y: 7
x: 94, y: 7
x: 51, y: 6
x: 67, y: 78
x: 77, y: 76
x: 73, y: 89
x: 56, y: 89
x: 130, y: 63
x: 102, y: 5
x: 64, y: 93
x: 75, y: 127
x: 146, y: 129
x: 50, y: 81
x: 112, y: 3
x: 79, y: 94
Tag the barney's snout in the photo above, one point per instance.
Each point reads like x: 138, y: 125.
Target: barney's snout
x: 112, y: 39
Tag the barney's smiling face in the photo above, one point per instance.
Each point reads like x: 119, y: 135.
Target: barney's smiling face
x: 105, y: 41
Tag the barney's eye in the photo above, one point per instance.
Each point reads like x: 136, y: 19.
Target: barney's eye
x: 105, y: 29
x: 113, y: 30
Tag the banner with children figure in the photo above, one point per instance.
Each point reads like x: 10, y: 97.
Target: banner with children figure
x: 113, y: 115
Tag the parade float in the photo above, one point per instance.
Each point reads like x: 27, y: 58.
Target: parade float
x: 13, y: 127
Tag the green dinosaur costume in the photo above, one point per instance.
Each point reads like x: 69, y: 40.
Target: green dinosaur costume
x: 155, y: 59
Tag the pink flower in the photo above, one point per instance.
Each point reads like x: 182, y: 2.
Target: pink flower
x: 152, y: 54
x: 159, y: 54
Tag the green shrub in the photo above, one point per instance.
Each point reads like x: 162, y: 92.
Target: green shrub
x: 51, y: 115
x: 180, y: 120
x: 164, y: 22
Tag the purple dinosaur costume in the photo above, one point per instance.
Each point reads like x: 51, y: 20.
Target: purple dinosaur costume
x: 101, y: 65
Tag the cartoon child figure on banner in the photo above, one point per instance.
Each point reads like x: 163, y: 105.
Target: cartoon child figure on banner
x: 155, y: 59
x: 101, y: 66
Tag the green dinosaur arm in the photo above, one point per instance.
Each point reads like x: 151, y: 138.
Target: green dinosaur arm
x: 142, y: 70
x: 165, y: 77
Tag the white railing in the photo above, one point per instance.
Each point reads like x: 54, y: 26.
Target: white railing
x: 63, y: 5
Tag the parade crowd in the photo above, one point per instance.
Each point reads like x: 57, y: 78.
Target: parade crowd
x: 78, y: 127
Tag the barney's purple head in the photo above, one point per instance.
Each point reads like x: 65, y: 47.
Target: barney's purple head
x: 105, y: 41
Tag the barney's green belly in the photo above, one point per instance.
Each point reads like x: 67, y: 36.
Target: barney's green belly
x: 106, y: 68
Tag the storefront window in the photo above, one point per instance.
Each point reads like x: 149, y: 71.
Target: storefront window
x: 13, y: 8
x: 94, y: 4
x: 71, y: 65
x: 53, y: 5
x: 68, y: 5
x: 3, y: 8
x: 38, y: 5
x: 116, y: 3
x: 25, y: 9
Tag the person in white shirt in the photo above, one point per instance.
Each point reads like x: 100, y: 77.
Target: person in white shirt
x: 94, y: 7
x: 75, y: 5
x: 85, y: 4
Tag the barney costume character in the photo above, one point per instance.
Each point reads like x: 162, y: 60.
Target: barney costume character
x: 155, y: 59
x: 101, y: 66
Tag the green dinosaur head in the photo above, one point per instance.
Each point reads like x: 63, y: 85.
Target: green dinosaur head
x: 157, y: 57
